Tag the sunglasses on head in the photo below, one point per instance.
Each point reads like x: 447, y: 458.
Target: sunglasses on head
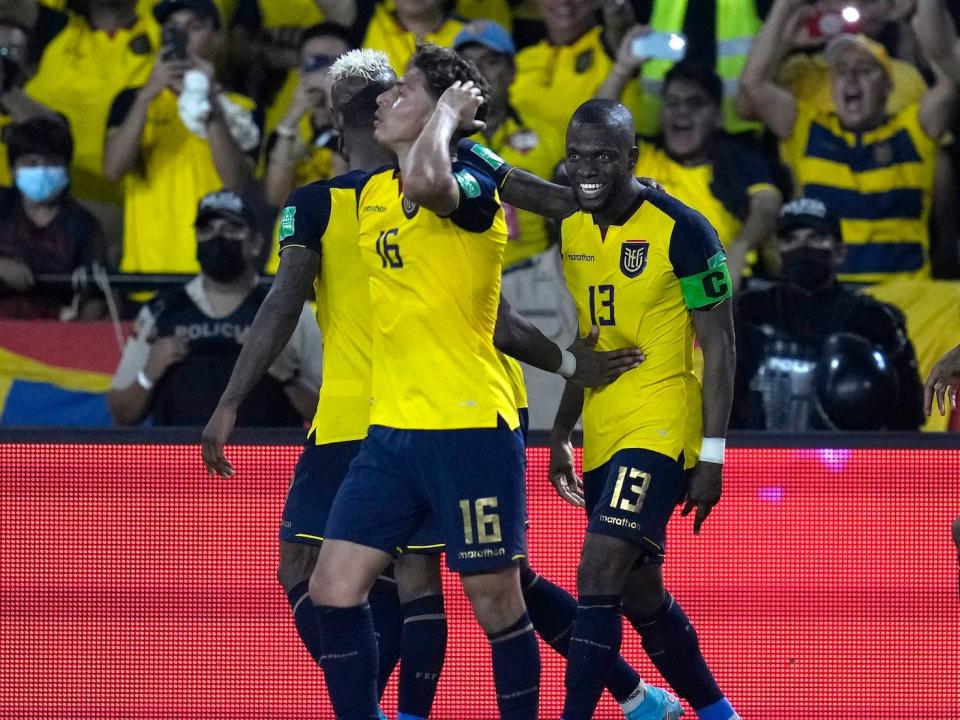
x: 316, y: 62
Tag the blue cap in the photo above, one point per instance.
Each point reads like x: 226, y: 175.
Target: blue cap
x: 486, y: 33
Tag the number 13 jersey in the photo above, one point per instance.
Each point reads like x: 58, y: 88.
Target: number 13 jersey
x: 435, y: 289
x: 638, y: 281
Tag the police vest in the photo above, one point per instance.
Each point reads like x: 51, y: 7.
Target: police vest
x: 737, y: 24
x: 189, y: 391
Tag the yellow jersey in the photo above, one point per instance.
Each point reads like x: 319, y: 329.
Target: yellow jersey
x: 552, y: 81
x: 322, y: 217
x: 638, y: 281
x: 81, y: 71
x: 384, y: 32
x: 176, y: 169
x: 537, y: 151
x: 6, y: 177
x: 515, y: 376
x: 435, y: 289
x: 880, y: 183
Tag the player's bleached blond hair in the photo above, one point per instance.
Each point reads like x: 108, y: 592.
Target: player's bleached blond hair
x: 365, y: 64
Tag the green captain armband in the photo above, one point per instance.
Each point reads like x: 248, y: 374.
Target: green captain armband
x: 710, y: 287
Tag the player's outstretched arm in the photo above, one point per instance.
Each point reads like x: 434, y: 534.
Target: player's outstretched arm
x: 714, y: 330
x: 943, y: 383
x: 937, y: 33
x: 563, y: 475
x: 270, y: 332
x: 521, y: 339
x: 427, y: 169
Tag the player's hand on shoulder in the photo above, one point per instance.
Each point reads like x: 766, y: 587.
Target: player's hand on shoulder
x: 563, y: 476
x: 943, y: 383
x: 463, y: 99
x: 213, y: 440
x: 596, y: 368
x: 703, y: 492
x: 651, y: 183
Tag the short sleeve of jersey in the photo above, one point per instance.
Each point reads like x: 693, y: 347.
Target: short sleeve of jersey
x: 305, y: 217
x: 484, y: 159
x: 696, y: 255
x: 478, y: 204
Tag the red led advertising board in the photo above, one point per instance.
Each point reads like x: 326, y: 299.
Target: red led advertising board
x: 824, y: 585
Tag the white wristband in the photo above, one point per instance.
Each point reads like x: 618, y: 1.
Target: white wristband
x: 712, y: 450
x: 568, y: 364
x: 144, y: 382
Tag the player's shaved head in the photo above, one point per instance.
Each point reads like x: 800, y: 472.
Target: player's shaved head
x: 607, y: 117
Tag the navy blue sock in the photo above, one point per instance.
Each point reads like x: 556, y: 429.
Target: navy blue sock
x: 595, y: 643
x: 516, y: 670
x: 424, y: 648
x: 553, y: 611
x: 305, y: 618
x: 388, y: 624
x: 349, y: 660
x: 672, y: 644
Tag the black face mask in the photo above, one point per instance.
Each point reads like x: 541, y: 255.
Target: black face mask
x: 807, y: 267
x: 221, y: 258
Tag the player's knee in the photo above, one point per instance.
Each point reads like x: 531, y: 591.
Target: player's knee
x: 418, y: 576
x: 296, y: 564
x: 643, y: 592
x: 496, y: 599
x: 600, y: 576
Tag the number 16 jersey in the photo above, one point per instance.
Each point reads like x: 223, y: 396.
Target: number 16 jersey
x: 435, y: 289
x: 638, y: 281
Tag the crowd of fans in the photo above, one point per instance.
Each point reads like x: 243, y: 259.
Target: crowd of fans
x: 119, y: 116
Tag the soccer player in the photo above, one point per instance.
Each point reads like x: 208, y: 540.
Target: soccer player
x: 646, y: 269
x: 319, y: 247
x: 444, y: 435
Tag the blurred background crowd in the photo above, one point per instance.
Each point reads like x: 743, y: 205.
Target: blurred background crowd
x: 148, y: 147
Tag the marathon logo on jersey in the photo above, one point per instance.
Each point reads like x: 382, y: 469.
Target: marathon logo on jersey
x: 633, y: 257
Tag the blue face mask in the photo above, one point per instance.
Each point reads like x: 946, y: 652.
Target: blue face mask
x: 42, y: 183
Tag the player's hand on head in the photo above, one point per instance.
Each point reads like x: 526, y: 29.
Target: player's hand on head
x: 943, y: 383
x: 463, y: 99
x: 596, y: 368
x: 703, y: 492
x: 213, y: 440
x: 562, y: 474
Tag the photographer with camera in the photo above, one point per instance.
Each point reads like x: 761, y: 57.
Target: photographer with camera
x: 175, y: 139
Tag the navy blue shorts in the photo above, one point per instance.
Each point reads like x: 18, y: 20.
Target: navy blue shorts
x: 632, y: 497
x: 428, y: 540
x: 316, y: 479
x: 472, y: 481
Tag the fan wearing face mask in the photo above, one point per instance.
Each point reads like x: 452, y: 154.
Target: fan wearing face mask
x: 42, y: 229
x: 178, y: 363
x: 795, y: 317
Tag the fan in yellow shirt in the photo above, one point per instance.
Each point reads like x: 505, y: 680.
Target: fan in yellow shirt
x: 559, y: 73
x: 171, y: 143
x: 87, y: 59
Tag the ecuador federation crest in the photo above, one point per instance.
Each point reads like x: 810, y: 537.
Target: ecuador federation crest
x: 633, y: 257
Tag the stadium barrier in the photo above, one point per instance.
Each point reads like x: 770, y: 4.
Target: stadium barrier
x: 134, y: 585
